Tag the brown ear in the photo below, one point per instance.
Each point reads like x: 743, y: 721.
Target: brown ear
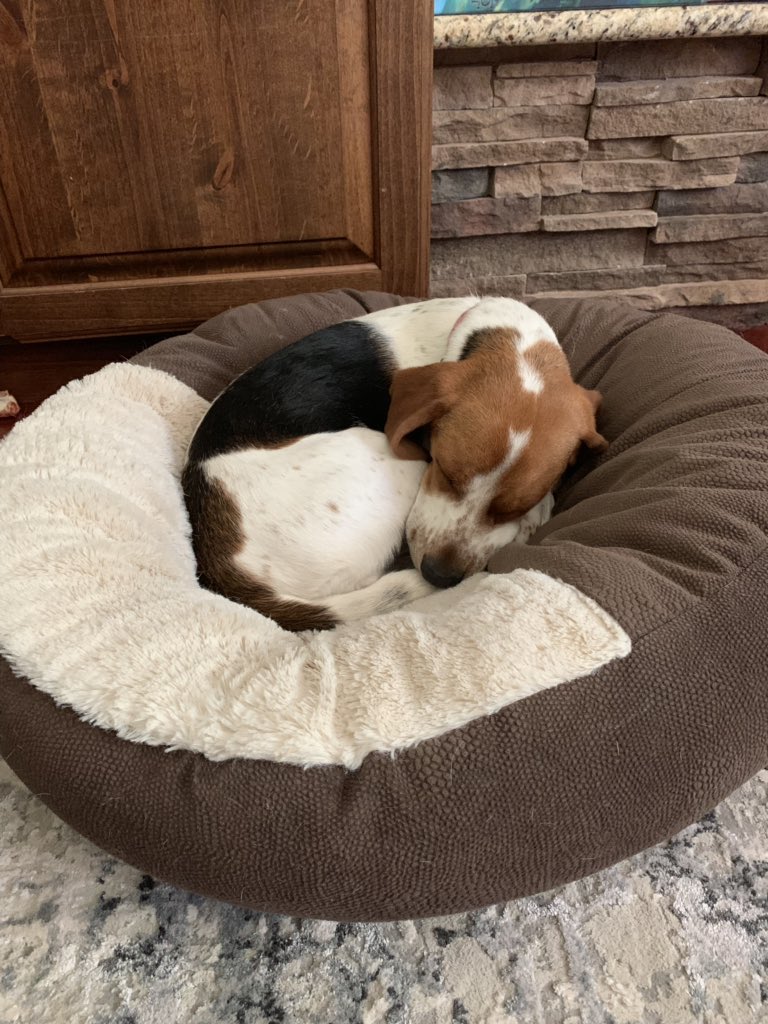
x: 590, y: 437
x: 420, y: 395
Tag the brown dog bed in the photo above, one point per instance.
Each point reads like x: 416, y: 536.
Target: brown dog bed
x: 665, y: 534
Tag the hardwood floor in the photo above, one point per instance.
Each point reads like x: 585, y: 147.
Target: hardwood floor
x: 757, y: 336
x: 34, y: 372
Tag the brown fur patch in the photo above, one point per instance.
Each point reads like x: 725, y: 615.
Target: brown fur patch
x: 217, y: 537
x: 484, y: 397
x: 419, y: 396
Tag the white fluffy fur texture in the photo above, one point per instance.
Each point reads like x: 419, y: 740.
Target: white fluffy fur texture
x: 102, y: 610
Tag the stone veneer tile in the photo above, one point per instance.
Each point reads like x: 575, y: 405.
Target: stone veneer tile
x: 555, y: 179
x: 697, y: 293
x: 715, y: 271
x: 543, y: 92
x: 462, y: 88
x: 702, y: 95
x: 726, y: 250
x: 595, y: 280
x: 625, y: 149
x: 537, y: 252
x: 753, y: 168
x: 599, y: 220
x: 450, y: 186
x: 762, y: 69
x: 709, y: 227
x: 635, y: 175
x: 590, y: 202
x: 623, y: 94
x: 522, y: 180
x: 495, y: 154
x: 689, y: 116
x: 512, y: 287
x: 694, y: 147
x: 675, y: 58
x: 707, y: 293
x: 745, y: 198
x: 560, y: 179
x: 485, y: 217
x: 502, y: 124
x: 547, y: 69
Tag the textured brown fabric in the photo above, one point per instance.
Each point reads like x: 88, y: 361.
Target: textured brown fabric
x: 667, y: 530
x: 219, y: 350
x: 678, y: 504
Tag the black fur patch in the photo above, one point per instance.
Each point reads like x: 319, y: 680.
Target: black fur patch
x: 475, y: 341
x: 331, y: 380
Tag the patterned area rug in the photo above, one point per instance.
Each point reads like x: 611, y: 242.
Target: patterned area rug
x: 676, y: 935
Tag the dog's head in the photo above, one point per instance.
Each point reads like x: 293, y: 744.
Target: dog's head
x: 504, y: 421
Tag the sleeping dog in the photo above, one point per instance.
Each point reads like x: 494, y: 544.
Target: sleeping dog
x: 449, y: 420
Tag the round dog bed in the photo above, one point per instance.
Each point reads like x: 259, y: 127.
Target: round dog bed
x: 492, y: 742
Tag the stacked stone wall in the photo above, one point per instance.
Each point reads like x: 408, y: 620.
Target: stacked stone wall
x: 631, y: 169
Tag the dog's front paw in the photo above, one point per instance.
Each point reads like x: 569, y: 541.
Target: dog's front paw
x: 535, y: 518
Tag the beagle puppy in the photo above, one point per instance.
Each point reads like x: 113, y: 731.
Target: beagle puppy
x: 449, y: 421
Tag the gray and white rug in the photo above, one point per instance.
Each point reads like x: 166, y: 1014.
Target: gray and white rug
x: 676, y: 935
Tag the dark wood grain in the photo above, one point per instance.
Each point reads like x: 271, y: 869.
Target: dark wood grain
x: 168, y: 304
x: 403, y: 90
x: 188, y: 263
x: 167, y: 160
x: 356, y: 119
x: 175, y: 125
x: 11, y: 257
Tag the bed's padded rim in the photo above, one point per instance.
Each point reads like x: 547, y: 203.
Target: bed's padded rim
x: 546, y: 791
x: 549, y: 789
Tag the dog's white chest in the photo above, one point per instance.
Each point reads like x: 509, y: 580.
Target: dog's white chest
x: 323, y: 515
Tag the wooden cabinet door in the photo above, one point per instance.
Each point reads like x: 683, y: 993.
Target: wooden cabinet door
x: 163, y: 160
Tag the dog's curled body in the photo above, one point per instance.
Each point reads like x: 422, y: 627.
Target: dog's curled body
x: 298, y: 499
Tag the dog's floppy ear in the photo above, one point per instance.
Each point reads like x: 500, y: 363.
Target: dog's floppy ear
x: 420, y: 395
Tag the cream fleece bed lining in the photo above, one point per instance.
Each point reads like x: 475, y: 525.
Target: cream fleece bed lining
x: 102, y: 610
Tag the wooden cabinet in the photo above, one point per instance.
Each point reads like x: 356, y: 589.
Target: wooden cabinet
x: 162, y: 160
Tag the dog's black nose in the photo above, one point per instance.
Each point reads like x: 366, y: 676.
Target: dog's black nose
x: 439, y: 574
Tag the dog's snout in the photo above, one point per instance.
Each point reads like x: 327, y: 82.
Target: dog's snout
x: 440, y: 574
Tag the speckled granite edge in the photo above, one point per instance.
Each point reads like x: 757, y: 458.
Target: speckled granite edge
x: 589, y: 26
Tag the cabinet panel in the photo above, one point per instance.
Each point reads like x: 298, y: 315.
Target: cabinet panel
x: 149, y: 146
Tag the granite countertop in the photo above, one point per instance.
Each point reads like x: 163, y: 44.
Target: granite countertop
x: 576, y: 26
